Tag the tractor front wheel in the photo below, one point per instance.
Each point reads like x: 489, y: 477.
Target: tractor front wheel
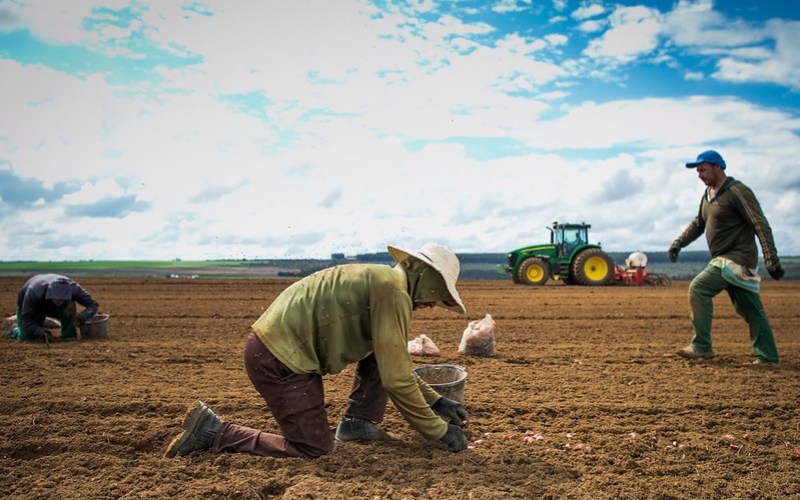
x: 534, y: 272
x: 593, y: 267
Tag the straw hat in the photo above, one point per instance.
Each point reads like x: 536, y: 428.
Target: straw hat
x: 443, y: 260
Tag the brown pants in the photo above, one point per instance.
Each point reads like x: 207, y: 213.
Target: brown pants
x: 297, y: 401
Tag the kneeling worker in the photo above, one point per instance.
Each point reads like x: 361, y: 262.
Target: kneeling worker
x: 355, y: 313
x: 51, y: 296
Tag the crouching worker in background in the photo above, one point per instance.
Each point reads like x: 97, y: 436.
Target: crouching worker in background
x: 355, y: 313
x: 51, y: 296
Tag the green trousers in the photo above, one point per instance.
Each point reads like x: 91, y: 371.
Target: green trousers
x: 704, y: 287
x: 67, y: 319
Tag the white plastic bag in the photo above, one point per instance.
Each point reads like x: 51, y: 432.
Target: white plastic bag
x: 478, y: 338
x: 422, y: 346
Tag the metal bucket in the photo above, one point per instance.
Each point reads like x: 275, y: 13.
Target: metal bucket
x: 447, y: 380
x: 95, y: 327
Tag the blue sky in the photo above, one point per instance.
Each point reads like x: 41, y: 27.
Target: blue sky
x: 244, y: 129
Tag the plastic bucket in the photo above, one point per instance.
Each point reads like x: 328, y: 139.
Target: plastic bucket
x: 447, y: 380
x: 95, y: 327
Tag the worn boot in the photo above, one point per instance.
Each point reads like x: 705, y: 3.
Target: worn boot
x: 691, y: 353
x: 358, y: 429
x: 200, y: 427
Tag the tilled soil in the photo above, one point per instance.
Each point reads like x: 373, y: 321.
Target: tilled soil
x: 591, y: 371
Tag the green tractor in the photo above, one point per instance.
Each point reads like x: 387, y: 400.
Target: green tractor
x: 569, y: 256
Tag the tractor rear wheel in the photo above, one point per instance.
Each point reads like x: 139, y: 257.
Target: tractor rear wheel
x: 533, y: 272
x: 593, y: 267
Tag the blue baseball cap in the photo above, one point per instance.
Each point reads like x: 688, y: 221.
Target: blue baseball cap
x: 709, y: 156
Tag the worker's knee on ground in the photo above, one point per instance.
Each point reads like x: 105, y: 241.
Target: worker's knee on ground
x: 316, y: 451
x: 20, y: 333
x: 68, y: 331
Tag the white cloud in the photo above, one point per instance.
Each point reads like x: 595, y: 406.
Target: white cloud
x: 634, y: 32
x: 440, y: 193
x: 552, y: 96
x: 697, y: 24
x: 761, y: 65
x: 588, y: 11
x: 66, y: 23
x: 746, y: 51
x: 592, y: 26
x: 348, y: 100
x: 94, y: 191
x: 664, y: 122
x: 423, y: 5
x: 556, y: 39
x: 505, y: 6
x: 520, y: 45
x: 57, y: 116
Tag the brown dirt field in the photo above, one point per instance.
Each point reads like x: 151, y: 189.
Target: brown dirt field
x: 91, y: 419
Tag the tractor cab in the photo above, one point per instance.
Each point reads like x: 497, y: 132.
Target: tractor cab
x: 567, y: 237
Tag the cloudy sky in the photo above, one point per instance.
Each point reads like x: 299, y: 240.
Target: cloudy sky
x: 161, y: 129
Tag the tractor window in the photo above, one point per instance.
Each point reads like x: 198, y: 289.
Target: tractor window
x: 566, y: 239
x: 571, y: 236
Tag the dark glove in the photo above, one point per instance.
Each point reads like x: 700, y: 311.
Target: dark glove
x: 776, y: 272
x: 454, y: 439
x: 451, y: 410
x: 46, y: 336
x: 79, y: 321
x: 673, y: 253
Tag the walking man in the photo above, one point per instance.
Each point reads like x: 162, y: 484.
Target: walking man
x: 731, y: 218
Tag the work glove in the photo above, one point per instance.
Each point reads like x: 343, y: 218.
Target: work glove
x: 776, y: 272
x: 451, y: 410
x: 673, y: 253
x: 47, y: 336
x: 454, y: 439
x: 79, y: 321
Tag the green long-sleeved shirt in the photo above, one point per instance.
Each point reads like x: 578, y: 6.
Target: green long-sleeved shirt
x: 341, y: 315
x: 731, y: 221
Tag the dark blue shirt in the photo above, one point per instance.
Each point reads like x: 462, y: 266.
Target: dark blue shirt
x: 35, y: 301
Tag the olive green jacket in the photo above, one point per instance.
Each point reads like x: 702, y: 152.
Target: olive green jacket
x: 731, y: 222
x: 341, y: 315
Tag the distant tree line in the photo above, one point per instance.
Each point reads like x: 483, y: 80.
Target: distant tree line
x: 474, y: 266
